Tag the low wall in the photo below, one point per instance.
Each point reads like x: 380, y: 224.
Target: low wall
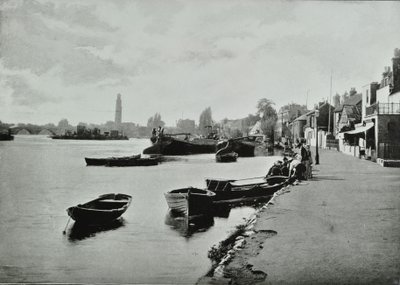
x: 350, y: 150
x: 388, y: 163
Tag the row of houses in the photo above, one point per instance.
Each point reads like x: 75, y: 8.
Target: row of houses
x: 365, y: 125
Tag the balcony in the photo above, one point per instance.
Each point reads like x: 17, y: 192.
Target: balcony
x: 383, y: 109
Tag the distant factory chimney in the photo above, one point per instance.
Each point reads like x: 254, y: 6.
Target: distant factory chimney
x: 118, y: 110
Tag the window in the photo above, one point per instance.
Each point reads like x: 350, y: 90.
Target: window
x: 367, y: 96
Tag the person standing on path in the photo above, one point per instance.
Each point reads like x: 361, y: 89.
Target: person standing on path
x: 309, y: 162
x: 305, y: 160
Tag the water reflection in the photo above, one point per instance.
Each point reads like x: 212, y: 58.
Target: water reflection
x: 80, y: 231
x: 188, y: 228
x: 222, y: 209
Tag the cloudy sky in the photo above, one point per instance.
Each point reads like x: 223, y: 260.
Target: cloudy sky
x: 69, y: 59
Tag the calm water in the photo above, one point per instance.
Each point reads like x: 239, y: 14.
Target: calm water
x: 40, y: 178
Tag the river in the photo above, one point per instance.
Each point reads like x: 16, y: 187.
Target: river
x: 41, y: 177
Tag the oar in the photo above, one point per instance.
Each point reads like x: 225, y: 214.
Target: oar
x: 250, y: 178
x: 236, y: 179
x: 65, y: 230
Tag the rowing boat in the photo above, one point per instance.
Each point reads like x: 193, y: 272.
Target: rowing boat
x: 104, y: 209
x: 190, y: 201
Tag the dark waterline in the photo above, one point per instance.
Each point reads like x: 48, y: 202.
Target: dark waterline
x: 40, y: 178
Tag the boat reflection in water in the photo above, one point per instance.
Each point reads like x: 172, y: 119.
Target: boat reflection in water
x: 187, y: 228
x: 222, y: 210
x: 80, y: 231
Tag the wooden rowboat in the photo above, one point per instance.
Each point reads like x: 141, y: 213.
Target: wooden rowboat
x: 191, y: 202
x: 229, y: 190
x: 134, y: 162
x: 104, y: 161
x: 104, y: 209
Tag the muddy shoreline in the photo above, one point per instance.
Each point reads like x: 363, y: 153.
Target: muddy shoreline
x: 232, y: 267
x: 341, y: 227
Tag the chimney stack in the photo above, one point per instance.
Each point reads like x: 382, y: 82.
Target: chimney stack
x: 118, y: 111
x: 396, y: 71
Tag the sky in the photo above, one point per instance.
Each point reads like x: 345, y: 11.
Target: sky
x: 70, y: 59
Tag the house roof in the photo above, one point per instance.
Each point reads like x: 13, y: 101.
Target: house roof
x: 301, y: 118
x: 351, y: 101
x: 256, y: 129
x: 320, y: 106
x: 352, y: 112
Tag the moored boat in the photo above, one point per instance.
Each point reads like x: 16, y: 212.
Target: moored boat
x: 104, y: 161
x: 224, y: 154
x: 191, y: 202
x: 133, y: 162
x: 104, y: 209
x: 230, y: 191
x: 243, y: 146
x: 6, y: 135
x: 181, y: 144
x: 226, y: 157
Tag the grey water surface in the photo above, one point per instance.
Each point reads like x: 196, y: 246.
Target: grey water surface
x: 41, y: 177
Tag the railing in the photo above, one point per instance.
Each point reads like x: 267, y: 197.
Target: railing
x: 383, y: 109
x: 389, y: 151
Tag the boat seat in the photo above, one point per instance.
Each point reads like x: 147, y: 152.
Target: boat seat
x: 111, y: 204
x: 114, y: 201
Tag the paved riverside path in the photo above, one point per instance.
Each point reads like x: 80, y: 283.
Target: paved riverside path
x: 341, y: 227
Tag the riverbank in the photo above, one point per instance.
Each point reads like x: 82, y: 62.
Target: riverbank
x: 341, y: 227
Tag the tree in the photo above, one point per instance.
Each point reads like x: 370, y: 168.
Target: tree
x: 251, y: 120
x: 155, y: 121
x: 265, y: 108
x: 293, y: 111
x: 268, y: 116
x: 4, y: 125
x: 205, y: 121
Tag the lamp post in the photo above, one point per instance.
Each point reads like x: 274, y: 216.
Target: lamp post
x: 316, y: 137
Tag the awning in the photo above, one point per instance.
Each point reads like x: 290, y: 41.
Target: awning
x: 361, y: 129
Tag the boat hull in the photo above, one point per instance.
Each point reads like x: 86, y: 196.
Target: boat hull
x: 242, y: 190
x: 102, y: 210
x: 191, y: 202
x: 104, y: 161
x: 228, y: 157
x: 6, y: 137
x: 133, y: 162
x: 240, y: 146
x: 175, y: 146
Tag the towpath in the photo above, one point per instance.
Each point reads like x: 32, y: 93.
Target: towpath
x: 341, y: 227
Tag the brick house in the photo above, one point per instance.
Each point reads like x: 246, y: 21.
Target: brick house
x: 377, y: 136
x: 324, y: 124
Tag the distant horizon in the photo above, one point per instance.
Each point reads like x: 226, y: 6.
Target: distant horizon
x: 94, y: 123
x: 70, y: 59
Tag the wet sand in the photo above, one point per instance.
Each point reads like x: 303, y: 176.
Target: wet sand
x: 341, y: 227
